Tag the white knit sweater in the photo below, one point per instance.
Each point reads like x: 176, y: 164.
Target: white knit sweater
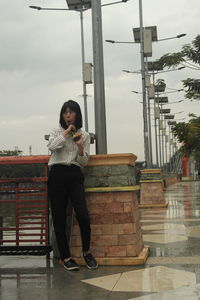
x: 65, y: 151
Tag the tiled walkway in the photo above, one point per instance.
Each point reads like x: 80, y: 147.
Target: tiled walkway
x: 172, y: 270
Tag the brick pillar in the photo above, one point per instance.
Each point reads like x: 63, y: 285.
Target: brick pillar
x: 151, y: 191
x: 171, y: 179
x: 111, y: 196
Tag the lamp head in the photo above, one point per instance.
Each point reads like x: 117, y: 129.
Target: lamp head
x: 35, y: 7
x: 181, y: 35
x: 110, y: 41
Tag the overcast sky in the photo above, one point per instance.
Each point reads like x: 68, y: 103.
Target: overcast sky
x: 40, y: 68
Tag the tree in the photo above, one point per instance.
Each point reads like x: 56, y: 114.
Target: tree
x: 188, y: 134
x: 12, y: 171
x: 189, y: 56
x: 10, y: 152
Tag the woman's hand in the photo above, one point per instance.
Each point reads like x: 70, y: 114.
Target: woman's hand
x: 71, y: 128
x: 79, y: 143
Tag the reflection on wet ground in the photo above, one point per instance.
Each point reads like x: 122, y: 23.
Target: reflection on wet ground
x: 172, y: 269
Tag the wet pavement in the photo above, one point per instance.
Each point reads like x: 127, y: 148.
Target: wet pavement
x: 171, y: 271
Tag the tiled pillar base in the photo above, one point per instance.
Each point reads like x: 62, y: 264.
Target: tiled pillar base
x: 116, y: 237
x: 171, y: 179
x: 151, y: 190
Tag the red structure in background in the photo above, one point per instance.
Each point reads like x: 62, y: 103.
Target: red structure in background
x: 28, y: 231
x: 185, y: 166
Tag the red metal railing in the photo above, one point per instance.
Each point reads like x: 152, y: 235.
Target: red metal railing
x: 28, y: 226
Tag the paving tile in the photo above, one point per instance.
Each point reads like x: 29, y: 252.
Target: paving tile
x: 183, y: 293
x: 164, y: 238
x: 154, y: 279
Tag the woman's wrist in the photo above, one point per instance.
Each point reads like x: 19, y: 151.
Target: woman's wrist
x: 80, y: 150
x: 65, y: 132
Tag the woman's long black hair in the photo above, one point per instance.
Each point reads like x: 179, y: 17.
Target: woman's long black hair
x: 74, y: 106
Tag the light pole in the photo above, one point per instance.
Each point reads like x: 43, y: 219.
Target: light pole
x: 170, y: 123
x: 80, y: 10
x: 83, y: 65
x: 99, y: 89
x: 164, y: 111
x: 170, y: 140
x: 158, y: 138
x: 145, y: 127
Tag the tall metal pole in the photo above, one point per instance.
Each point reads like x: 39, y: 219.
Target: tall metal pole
x: 159, y: 139
x: 146, y: 152
x: 170, y: 154
x: 173, y: 157
x: 155, y: 124
x: 83, y: 63
x: 166, y: 141
x: 150, y: 137
x: 159, y: 134
x: 149, y: 123
x: 162, y: 139
x: 99, y: 88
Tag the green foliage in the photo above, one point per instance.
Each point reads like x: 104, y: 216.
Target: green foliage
x: 189, y: 56
x: 192, y: 51
x: 171, y: 60
x: 193, y: 88
x: 16, y: 171
x: 196, y: 155
x: 10, y: 152
x: 188, y: 134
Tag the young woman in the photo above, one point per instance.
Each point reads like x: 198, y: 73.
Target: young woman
x: 69, y: 146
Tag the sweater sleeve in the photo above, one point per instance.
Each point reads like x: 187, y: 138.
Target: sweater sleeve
x: 56, y: 140
x: 83, y: 160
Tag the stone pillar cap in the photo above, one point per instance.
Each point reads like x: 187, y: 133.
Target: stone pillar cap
x: 112, y: 159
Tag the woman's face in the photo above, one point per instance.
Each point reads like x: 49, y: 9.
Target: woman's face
x: 69, y: 116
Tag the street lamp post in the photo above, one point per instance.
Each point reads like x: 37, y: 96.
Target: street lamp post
x: 145, y: 127
x: 170, y: 122
x: 164, y: 137
x: 99, y: 89
x: 83, y: 64
x: 170, y: 140
x: 161, y: 101
x: 149, y: 128
x: 148, y: 94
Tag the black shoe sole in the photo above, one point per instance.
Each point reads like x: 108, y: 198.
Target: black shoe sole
x: 92, y: 268
x: 72, y: 268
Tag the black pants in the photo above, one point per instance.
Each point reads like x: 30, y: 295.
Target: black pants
x: 66, y: 182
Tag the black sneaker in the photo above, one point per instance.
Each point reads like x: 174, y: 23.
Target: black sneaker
x: 90, y: 261
x: 71, y: 265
